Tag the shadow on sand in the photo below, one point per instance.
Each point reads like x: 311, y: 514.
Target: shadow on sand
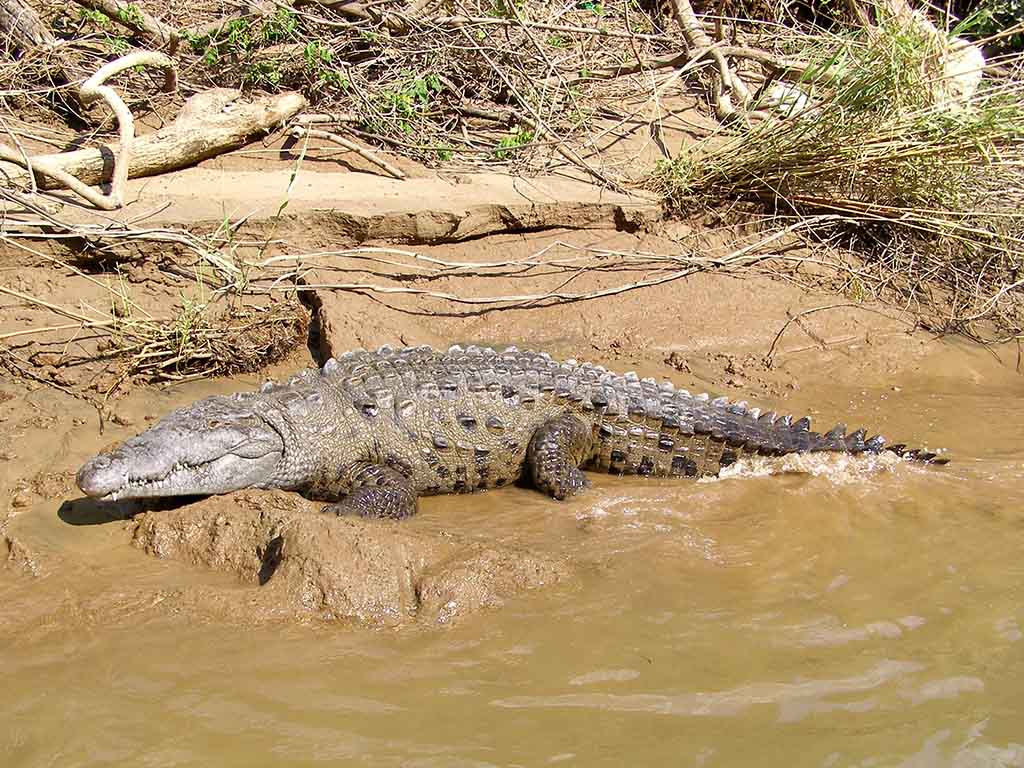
x: 87, y: 511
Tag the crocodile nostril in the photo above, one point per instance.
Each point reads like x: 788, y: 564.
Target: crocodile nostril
x: 100, y: 462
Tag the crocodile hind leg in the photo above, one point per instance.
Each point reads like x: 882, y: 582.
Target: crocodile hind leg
x: 557, y: 449
x: 376, y: 491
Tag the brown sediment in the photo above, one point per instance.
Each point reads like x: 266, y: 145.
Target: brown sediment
x: 318, y: 565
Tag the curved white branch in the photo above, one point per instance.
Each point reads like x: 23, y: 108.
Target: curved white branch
x: 92, y: 90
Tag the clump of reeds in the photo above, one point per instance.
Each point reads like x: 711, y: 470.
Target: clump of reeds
x: 931, y: 191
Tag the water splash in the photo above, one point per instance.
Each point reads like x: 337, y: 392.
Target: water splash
x: 839, y: 468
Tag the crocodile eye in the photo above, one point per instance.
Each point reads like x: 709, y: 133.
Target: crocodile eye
x: 214, y: 423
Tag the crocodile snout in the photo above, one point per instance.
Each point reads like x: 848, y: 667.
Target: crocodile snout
x: 95, y: 478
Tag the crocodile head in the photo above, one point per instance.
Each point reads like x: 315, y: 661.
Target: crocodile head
x: 216, y: 445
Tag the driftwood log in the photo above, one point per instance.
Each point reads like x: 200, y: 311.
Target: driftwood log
x: 21, y: 29
x: 210, y: 123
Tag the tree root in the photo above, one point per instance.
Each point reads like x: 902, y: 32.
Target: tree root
x: 51, y: 171
x: 209, y: 124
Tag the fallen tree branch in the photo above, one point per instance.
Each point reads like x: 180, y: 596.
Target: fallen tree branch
x: 728, y: 83
x: 210, y: 123
x: 495, y: 21
x: 94, y: 89
x: 52, y: 171
x: 796, y: 70
x: 358, y: 11
x: 132, y: 16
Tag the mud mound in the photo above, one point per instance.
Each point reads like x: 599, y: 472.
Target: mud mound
x: 372, y: 571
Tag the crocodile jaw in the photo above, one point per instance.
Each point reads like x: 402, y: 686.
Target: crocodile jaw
x: 216, y: 445
x: 111, y: 478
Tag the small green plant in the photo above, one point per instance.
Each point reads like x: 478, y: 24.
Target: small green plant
x: 279, y: 28
x: 857, y: 291
x: 557, y: 41
x: 90, y: 16
x: 591, y: 5
x: 240, y: 38
x: 185, y: 324
x: 262, y: 73
x: 506, y: 9
x: 131, y: 15
x: 316, y: 54
x: 116, y: 44
x: 516, y: 139
x: 410, y: 98
x: 992, y: 17
x: 318, y: 61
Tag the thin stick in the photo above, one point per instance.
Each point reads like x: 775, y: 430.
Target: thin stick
x: 298, y: 132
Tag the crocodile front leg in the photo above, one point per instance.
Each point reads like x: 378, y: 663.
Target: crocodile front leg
x: 376, y: 491
x: 557, y: 449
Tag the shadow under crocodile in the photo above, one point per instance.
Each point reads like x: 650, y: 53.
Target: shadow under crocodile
x: 89, y: 511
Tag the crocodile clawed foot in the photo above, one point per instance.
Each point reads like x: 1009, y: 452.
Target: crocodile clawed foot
x: 573, y: 484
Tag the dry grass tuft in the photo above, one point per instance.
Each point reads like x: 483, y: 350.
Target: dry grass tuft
x: 931, y: 197
x: 205, y: 340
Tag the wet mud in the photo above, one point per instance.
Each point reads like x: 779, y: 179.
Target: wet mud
x: 844, y: 612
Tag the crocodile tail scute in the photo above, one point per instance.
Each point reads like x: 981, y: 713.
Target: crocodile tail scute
x: 837, y: 440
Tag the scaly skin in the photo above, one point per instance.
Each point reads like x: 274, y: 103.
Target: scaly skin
x: 373, y: 431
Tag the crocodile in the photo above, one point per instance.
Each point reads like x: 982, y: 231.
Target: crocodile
x: 372, y: 431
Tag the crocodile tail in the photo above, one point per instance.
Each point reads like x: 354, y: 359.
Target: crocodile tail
x: 741, y: 431
x: 782, y: 436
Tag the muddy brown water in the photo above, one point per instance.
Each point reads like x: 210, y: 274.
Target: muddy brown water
x: 844, y: 615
